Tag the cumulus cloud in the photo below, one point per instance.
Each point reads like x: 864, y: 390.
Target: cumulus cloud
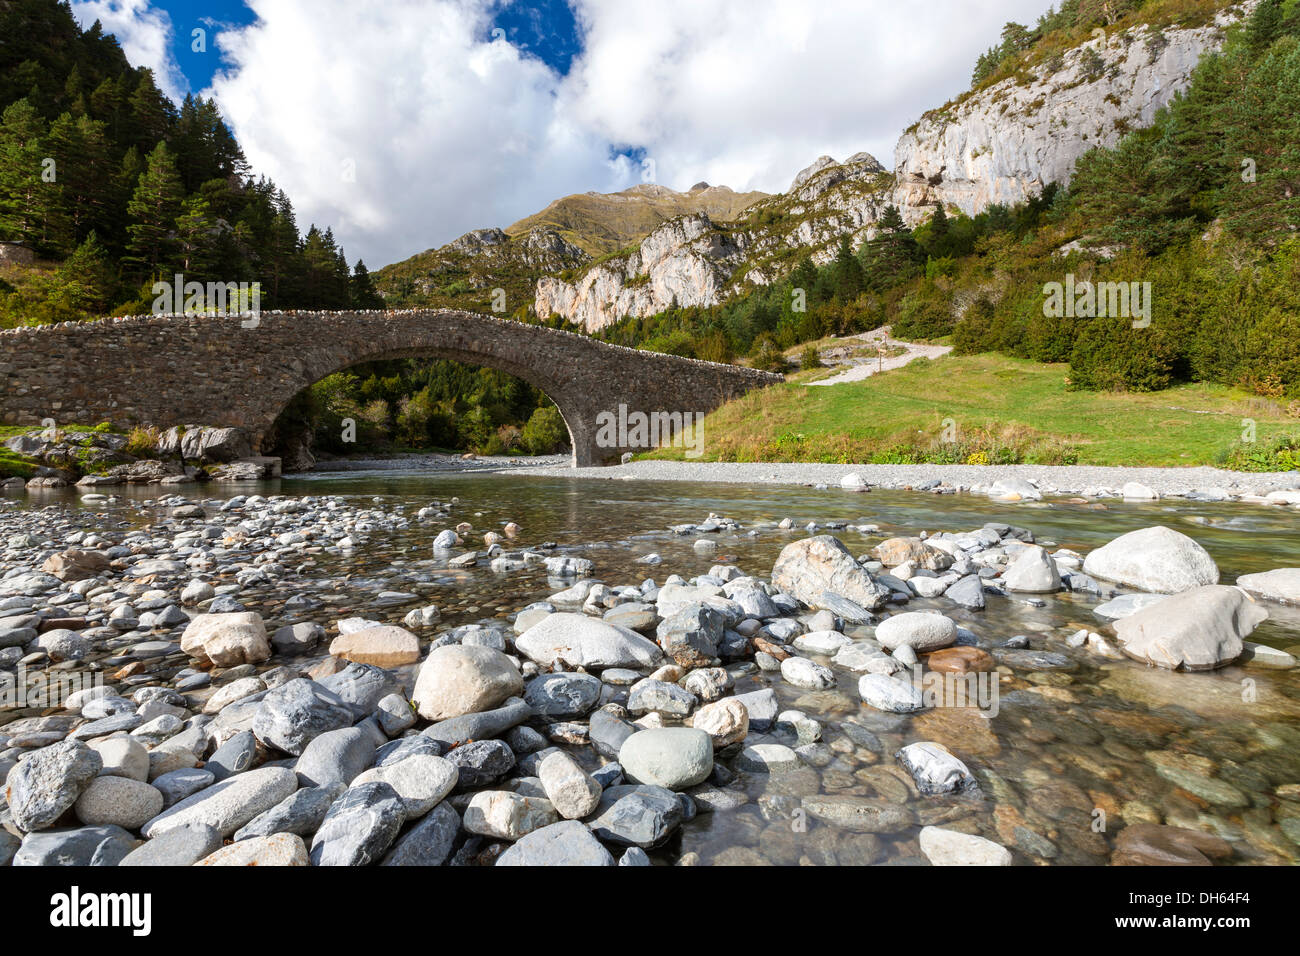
x: 404, y: 124
x: 747, y: 92
x: 145, y: 34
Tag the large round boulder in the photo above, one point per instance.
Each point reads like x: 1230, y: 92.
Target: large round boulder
x: 458, y: 679
x: 1155, y: 559
x: 671, y: 757
x: 921, y: 630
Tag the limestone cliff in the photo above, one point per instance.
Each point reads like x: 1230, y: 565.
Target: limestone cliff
x: 686, y: 261
x: 1006, y: 142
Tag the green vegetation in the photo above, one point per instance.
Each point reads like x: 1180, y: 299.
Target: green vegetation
x: 425, y: 404
x: 112, y: 186
x: 989, y: 409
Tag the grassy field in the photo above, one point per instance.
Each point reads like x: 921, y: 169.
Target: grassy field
x: 985, y: 409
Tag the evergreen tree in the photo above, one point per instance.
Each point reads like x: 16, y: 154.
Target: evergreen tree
x: 152, y: 213
x: 362, y: 293
x: 847, y: 272
x: 24, y: 195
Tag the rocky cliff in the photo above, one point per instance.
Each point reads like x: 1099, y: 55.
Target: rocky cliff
x: 1002, y: 143
x: 1006, y: 142
x: 686, y: 261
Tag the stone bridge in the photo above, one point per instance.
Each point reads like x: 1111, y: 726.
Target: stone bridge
x: 225, y: 370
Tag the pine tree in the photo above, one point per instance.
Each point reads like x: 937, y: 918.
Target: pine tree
x: 23, y: 193
x: 152, y: 213
x: 848, y: 272
x: 362, y: 293
x: 1265, y: 25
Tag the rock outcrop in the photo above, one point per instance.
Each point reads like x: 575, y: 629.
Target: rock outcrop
x: 685, y: 262
x: 1007, y: 142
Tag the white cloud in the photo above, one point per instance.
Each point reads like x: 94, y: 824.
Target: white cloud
x: 145, y: 36
x: 450, y: 132
x: 747, y: 92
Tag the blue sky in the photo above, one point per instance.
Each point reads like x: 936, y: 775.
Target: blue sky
x: 403, y: 124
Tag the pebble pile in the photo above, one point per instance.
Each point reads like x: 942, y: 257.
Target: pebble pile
x: 181, y: 694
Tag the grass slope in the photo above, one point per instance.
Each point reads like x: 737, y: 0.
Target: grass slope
x: 999, y: 410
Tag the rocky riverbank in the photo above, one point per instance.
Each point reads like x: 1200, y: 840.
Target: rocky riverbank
x: 1001, y: 482
x: 197, y: 682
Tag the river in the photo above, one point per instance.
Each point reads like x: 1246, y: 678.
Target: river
x: 1072, y: 750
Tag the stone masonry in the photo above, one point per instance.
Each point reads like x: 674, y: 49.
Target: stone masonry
x: 175, y: 370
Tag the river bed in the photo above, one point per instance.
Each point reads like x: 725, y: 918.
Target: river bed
x: 1076, y: 751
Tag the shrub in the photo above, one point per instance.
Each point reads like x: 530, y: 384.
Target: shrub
x: 810, y: 358
x: 545, y: 432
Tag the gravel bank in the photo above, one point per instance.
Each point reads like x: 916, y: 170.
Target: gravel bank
x: 1050, y: 479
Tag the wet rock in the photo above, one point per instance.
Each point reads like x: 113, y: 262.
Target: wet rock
x: 802, y: 672
x: 1149, y: 844
x: 1198, y: 629
x: 920, y: 630
x: 1032, y: 572
x: 952, y: 848
x: 1155, y: 559
x: 890, y: 694
x: 935, y: 770
x: 859, y: 814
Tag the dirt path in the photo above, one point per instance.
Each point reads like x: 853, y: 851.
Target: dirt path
x: 864, y: 366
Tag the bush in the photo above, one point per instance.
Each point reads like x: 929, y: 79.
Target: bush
x: 143, y: 442
x: 925, y: 314
x: 545, y: 432
x: 1281, y: 454
x: 810, y: 358
x: 767, y: 356
x: 1111, y: 355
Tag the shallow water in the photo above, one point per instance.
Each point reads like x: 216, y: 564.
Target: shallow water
x: 1071, y: 748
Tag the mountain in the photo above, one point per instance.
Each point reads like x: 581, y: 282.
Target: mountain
x: 604, y: 223
x: 1039, y: 103
x: 564, y: 237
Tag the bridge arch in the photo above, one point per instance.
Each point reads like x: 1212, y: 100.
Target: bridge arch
x: 233, y: 371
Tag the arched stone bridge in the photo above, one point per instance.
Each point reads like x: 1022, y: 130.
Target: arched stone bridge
x: 217, y: 370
